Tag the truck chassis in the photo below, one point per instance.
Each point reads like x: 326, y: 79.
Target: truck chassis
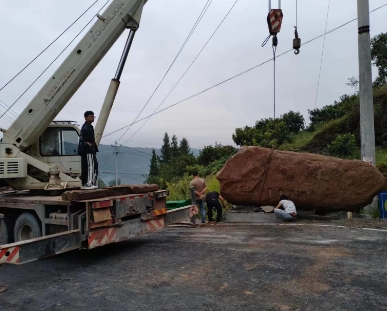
x: 85, y: 224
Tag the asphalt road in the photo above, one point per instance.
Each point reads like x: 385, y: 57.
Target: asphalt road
x: 222, y: 267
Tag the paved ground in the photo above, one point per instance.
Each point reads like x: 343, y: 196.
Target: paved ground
x: 222, y: 267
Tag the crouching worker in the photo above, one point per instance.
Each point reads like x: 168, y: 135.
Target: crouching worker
x: 212, y: 201
x: 289, y: 211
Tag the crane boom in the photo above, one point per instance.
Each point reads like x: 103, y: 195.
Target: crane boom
x: 70, y: 75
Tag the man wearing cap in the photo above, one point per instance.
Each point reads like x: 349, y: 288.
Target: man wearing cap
x: 87, y: 149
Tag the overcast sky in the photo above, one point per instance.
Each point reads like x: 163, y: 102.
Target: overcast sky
x: 30, y: 25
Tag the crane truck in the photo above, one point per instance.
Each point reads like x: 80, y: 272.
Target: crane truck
x: 46, y: 215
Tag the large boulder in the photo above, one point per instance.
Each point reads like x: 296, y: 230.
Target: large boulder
x: 259, y: 176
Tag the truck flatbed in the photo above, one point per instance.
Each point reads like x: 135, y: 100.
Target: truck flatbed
x: 26, y: 198
x: 50, y: 225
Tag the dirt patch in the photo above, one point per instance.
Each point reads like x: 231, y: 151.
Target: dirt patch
x: 312, y: 280
x: 283, y: 307
x: 252, y: 266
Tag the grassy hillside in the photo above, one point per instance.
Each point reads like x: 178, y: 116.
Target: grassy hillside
x: 339, y: 120
x: 319, y: 139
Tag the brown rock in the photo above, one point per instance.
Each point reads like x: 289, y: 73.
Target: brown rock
x: 259, y: 176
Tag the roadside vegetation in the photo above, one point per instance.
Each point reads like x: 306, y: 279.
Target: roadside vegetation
x: 332, y: 130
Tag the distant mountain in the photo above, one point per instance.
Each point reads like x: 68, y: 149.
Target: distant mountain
x: 132, y: 163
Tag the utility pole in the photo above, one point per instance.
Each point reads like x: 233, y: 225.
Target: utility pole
x: 367, y: 129
x: 116, y: 152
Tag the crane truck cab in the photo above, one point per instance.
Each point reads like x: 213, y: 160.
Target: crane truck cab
x: 54, y: 154
x: 58, y: 145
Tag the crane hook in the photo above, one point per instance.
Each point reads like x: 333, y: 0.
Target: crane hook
x: 275, y: 40
x: 296, y: 42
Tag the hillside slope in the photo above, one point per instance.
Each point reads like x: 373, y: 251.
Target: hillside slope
x: 350, y: 123
x: 319, y: 140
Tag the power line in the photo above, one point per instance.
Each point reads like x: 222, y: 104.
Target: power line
x: 132, y: 153
x: 140, y: 127
x: 52, y: 62
x: 189, y: 67
x: 112, y: 173
x: 239, y: 74
x: 8, y: 117
x: 6, y: 106
x: 322, y: 55
x: 204, y: 10
x: 49, y: 45
x: 148, y: 154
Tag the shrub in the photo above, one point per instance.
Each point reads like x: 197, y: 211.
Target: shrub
x: 344, y: 146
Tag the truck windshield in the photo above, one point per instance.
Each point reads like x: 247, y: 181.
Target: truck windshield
x: 57, y: 141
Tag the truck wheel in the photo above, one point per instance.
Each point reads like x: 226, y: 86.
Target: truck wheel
x: 7, y: 226
x: 26, y: 227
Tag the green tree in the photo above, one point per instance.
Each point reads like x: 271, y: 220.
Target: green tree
x: 170, y: 172
x: 113, y: 182
x: 261, y: 124
x: 166, y: 149
x: 174, y: 147
x: 344, y: 146
x: 332, y: 112
x: 270, y: 132
x: 154, y: 170
x: 175, y: 162
x: 379, y: 57
x: 266, y: 133
x: 153, y: 180
x: 244, y: 136
x: 294, y: 121
x: 210, y: 154
x: 354, y: 83
x: 154, y: 164
x: 184, y: 147
x: 275, y: 133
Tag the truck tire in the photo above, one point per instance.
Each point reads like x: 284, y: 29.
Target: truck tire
x: 7, y: 226
x: 26, y: 227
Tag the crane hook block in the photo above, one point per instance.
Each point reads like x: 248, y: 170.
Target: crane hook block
x: 296, y: 42
x: 274, y: 21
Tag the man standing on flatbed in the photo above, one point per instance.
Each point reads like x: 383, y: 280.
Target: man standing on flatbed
x: 87, y: 149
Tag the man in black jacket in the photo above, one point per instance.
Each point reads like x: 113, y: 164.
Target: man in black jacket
x: 212, y: 201
x: 87, y: 149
